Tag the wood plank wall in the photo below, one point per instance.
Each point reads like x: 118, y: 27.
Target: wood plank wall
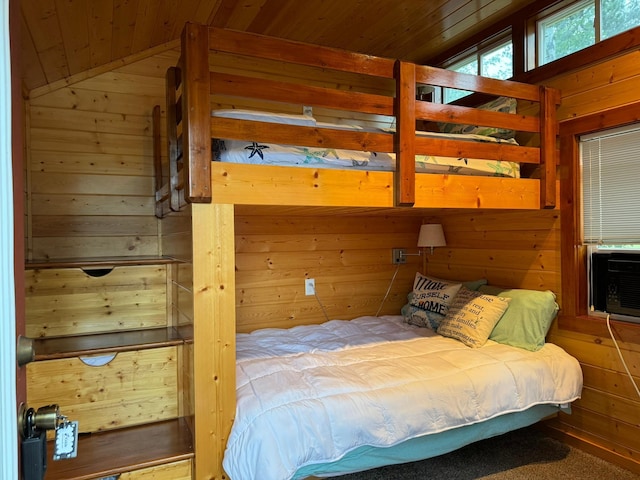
x: 348, y: 256
x: 90, y: 170
x: 607, y: 418
x: 513, y: 249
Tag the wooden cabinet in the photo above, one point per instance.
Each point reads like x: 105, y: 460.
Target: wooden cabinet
x: 107, y: 352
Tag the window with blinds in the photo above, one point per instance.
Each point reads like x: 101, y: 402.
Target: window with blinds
x: 611, y: 187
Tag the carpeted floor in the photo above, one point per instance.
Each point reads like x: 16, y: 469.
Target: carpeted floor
x: 525, y: 454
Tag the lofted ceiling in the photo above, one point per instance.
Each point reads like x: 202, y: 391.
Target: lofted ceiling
x: 62, y: 38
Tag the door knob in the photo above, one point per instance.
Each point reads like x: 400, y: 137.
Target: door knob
x: 31, y: 421
x: 25, y: 352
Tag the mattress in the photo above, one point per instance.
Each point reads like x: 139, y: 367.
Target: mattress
x: 312, y: 394
x: 250, y: 152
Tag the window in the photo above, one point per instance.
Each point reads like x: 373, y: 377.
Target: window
x: 610, y: 198
x: 610, y: 172
x: 582, y: 24
x: 495, y: 61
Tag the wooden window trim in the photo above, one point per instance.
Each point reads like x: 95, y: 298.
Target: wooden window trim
x: 521, y: 38
x: 574, y: 314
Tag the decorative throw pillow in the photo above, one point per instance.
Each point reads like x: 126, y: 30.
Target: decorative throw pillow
x: 501, y: 104
x: 420, y: 317
x: 433, y: 294
x: 526, y: 323
x: 431, y: 319
x: 472, y: 316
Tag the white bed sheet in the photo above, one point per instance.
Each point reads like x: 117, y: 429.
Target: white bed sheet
x: 300, y: 404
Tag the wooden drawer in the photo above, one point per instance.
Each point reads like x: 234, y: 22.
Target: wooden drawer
x: 171, y: 471
x: 133, y: 388
x: 71, y: 301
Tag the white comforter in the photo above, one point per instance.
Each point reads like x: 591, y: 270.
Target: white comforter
x: 300, y: 405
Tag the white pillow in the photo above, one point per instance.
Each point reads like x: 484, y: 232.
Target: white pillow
x: 270, y: 117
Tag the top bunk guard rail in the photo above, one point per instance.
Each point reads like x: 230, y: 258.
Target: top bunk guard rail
x: 206, y: 72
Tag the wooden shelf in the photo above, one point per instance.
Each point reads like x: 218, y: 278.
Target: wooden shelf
x: 98, y: 262
x: 110, y: 342
x: 115, y: 452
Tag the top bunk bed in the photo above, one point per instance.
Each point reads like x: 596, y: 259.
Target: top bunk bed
x: 261, y: 93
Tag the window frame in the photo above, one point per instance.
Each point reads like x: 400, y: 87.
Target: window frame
x: 573, y: 252
x: 533, y: 40
x: 477, y: 52
x: 568, y: 8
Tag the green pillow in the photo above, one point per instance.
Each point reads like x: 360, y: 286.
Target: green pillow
x: 527, y: 320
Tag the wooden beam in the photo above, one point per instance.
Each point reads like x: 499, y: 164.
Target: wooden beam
x: 196, y: 113
x: 214, y: 331
x: 405, y: 108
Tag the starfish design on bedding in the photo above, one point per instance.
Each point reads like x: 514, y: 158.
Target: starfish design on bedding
x: 256, y: 148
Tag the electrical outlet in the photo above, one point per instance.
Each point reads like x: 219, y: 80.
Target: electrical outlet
x: 398, y: 255
x: 309, y: 286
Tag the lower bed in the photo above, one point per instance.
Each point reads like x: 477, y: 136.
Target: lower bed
x: 347, y: 396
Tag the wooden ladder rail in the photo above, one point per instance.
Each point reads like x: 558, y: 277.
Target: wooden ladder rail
x: 162, y: 189
x: 174, y: 152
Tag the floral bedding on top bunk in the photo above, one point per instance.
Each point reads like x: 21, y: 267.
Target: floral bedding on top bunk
x: 249, y: 152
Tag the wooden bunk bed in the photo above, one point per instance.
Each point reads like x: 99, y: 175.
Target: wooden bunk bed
x: 194, y: 178
x: 213, y: 73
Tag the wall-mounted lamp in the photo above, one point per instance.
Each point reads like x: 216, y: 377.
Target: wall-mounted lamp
x: 431, y: 235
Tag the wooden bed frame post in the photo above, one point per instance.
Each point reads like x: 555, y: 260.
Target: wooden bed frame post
x: 214, y: 335
x: 196, y: 134
x: 405, y: 110
x: 549, y: 99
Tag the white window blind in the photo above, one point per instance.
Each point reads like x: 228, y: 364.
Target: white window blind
x: 611, y: 186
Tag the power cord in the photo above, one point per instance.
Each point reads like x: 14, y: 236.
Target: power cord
x: 321, y: 305
x: 388, y: 290
x: 621, y: 357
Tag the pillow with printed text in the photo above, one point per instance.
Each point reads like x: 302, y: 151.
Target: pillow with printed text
x: 429, y: 300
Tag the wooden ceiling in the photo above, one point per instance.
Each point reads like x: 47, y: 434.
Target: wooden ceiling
x: 61, y: 38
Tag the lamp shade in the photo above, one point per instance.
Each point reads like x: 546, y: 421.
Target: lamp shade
x: 431, y: 235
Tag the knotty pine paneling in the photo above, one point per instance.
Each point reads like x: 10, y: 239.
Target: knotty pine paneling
x: 91, y: 185
x: 511, y: 249
x: 68, y: 301
x: 608, y: 417
x: 133, y: 388
x: 84, y: 247
x: 348, y: 256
